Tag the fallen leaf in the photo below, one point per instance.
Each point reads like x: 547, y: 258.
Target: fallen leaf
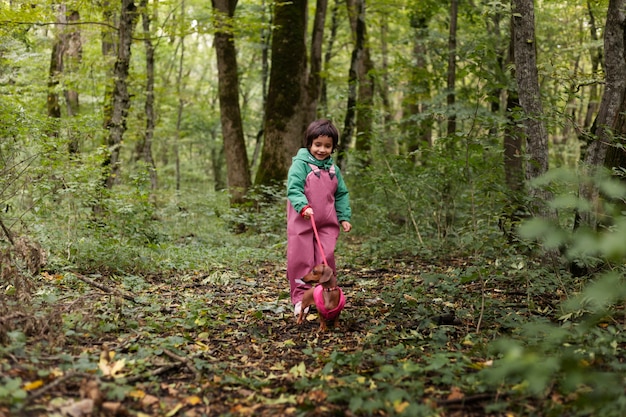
x: 149, y: 400
x: 174, y: 410
x: 193, y: 400
x: 33, y: 385
x: 78, y: 409
x: 455, y: 394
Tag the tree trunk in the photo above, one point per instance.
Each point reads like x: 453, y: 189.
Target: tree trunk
x: 230, y: 112
x: 523, y: 22
x: 418, y: 125
x: 451, y: 97
x: 121, y: 98
x: 72, y: 61
x: 365, y: 79
x: 513, y: 150
x: 314, y: 81
x: 360, y: 87
x: 596, y: 64
x: 328, y: 55
x: 284, y: 111
x: 144, y: 147
x: 56, y: 66
x: 609, y: 111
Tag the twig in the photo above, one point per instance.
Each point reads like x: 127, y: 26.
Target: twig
x: 156, y: 372
x: 482, y: 302
x: 186, y: 361
x: 107, y: 289
x: 38, y: 393
x: 465, y: 400
x: 7, y: 232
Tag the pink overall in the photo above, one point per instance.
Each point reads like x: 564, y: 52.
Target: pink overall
x: 302, y: 249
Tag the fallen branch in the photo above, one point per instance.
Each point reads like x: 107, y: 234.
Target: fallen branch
x: 38, y: 393
x: 186, y: 361
x: 107, y: 289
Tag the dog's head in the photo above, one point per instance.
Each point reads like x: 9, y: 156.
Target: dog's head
x: 320, y: 273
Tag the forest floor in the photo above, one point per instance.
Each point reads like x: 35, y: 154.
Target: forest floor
x: 226, y: 343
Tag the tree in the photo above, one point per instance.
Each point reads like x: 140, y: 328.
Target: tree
x: 120, y: 99
x: 230, y: 114
x: 611, y: 107
x: 144, y: 146
x: 284, y: 109
x: 451, y: 96
x: 526, y: 75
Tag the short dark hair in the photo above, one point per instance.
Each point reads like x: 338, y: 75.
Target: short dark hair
x: 321, y: 127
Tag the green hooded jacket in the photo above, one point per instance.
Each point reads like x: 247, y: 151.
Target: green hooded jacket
x: 297, y: 177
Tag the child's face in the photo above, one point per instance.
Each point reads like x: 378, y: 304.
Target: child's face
x: 321, y: 147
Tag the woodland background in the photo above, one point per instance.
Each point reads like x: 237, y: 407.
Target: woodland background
x: 143, y: 152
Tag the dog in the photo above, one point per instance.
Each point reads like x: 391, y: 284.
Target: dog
x: 327, y: 297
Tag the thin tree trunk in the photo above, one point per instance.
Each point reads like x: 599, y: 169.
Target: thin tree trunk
x: 451, y: 97
x: 390, y: 144
x: 72, y: 61
x: 328, y: 55
x: 265, y: 41
x: 121, y: 98
x: 230, y: 112
x: 144, y: 147
x: 284, y: 111
x: 596, y: 64
x: 526, y: 75
x: 314, y: 81
x: 360, y: 87
x: 418, y: 125
x: 609, y: 111
x: 56, y: 66
x: 513, y: 144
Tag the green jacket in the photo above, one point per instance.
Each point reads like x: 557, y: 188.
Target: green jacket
x: 297, y: 177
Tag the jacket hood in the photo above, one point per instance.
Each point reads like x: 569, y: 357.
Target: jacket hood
x: 304, y: 155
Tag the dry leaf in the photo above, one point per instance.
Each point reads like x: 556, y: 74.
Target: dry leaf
x: 149, y: 400
x: 78, y: 409
x: 455, y: 394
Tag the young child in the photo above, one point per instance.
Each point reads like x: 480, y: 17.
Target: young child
x: 315, y: 188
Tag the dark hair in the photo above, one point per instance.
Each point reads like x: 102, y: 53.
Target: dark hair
x: 321, y: 127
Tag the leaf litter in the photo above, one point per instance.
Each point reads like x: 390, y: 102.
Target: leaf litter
x: 227, y: 343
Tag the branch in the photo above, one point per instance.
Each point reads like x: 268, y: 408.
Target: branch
x: 184, y: 360
x: 107, y: 289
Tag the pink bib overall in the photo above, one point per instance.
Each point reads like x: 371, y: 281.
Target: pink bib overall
x: 302, y: 250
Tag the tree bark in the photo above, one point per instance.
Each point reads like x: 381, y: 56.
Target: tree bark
x: 328, y: 53
x: 451, y: 96
x: 116, y: 124
x: 314, y: 79
x: 418, y: 125
x: 144, y: 147
x: 608, y: 116
x: 526, y: 75
x: 284, y: 111
x: 238, y: 173
x: 359, y: 115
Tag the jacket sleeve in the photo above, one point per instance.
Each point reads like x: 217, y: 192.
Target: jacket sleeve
x: 295, y: 185
x: 342, y: 199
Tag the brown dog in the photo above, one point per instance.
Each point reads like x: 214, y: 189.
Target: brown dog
x: 327, y: 297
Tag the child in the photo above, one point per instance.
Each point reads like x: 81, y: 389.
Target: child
x: 315, y: 188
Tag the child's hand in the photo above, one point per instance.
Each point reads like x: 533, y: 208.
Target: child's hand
x: 346, y: 226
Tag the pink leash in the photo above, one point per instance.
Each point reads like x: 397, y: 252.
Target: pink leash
x: 317, y: 237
